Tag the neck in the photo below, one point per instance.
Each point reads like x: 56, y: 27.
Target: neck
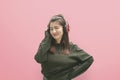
x: 58, y: 41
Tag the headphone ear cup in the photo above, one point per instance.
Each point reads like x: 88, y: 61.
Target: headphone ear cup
x: 67, y: 28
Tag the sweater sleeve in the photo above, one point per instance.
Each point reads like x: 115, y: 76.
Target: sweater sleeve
x: 44, y: 46
x: 84, y: 61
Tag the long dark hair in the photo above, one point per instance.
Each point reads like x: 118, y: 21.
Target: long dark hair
x: 65, y: 38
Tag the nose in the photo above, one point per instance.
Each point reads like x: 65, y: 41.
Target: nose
x: 54, y: 31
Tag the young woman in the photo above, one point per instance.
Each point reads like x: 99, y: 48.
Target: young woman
x: 59, y: 58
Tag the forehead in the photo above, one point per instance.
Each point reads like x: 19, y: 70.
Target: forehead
x: 56, y: 23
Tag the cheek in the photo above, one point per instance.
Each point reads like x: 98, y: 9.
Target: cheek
x: 50, y: 32
x: 61, y: 32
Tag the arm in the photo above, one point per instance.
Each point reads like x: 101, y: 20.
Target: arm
x: 80, y: 68
x: 84, y: 61
x: 44, y: 46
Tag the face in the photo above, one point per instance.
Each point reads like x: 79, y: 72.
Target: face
x: 56, y: 30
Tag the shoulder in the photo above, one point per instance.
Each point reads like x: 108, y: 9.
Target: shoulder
x: 74, y: 46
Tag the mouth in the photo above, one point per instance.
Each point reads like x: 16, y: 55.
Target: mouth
x: 55, y: 35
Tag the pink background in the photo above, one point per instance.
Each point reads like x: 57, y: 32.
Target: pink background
x: 95, y: 27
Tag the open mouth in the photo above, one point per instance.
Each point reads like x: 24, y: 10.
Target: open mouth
x: 55, y: 34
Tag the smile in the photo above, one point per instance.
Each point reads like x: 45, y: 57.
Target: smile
x: 55, y: 34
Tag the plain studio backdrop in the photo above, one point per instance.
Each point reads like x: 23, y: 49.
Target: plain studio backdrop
x: 94, y: 26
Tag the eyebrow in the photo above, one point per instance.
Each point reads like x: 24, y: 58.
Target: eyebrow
x: 54, y: 26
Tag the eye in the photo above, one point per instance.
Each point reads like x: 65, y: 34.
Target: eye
x: 56, y: 27
x: 51, y: 29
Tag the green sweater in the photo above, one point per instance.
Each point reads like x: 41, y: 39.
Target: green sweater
x: 60, y: 66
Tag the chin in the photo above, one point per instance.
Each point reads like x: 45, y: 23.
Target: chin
x: 56, y: 38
